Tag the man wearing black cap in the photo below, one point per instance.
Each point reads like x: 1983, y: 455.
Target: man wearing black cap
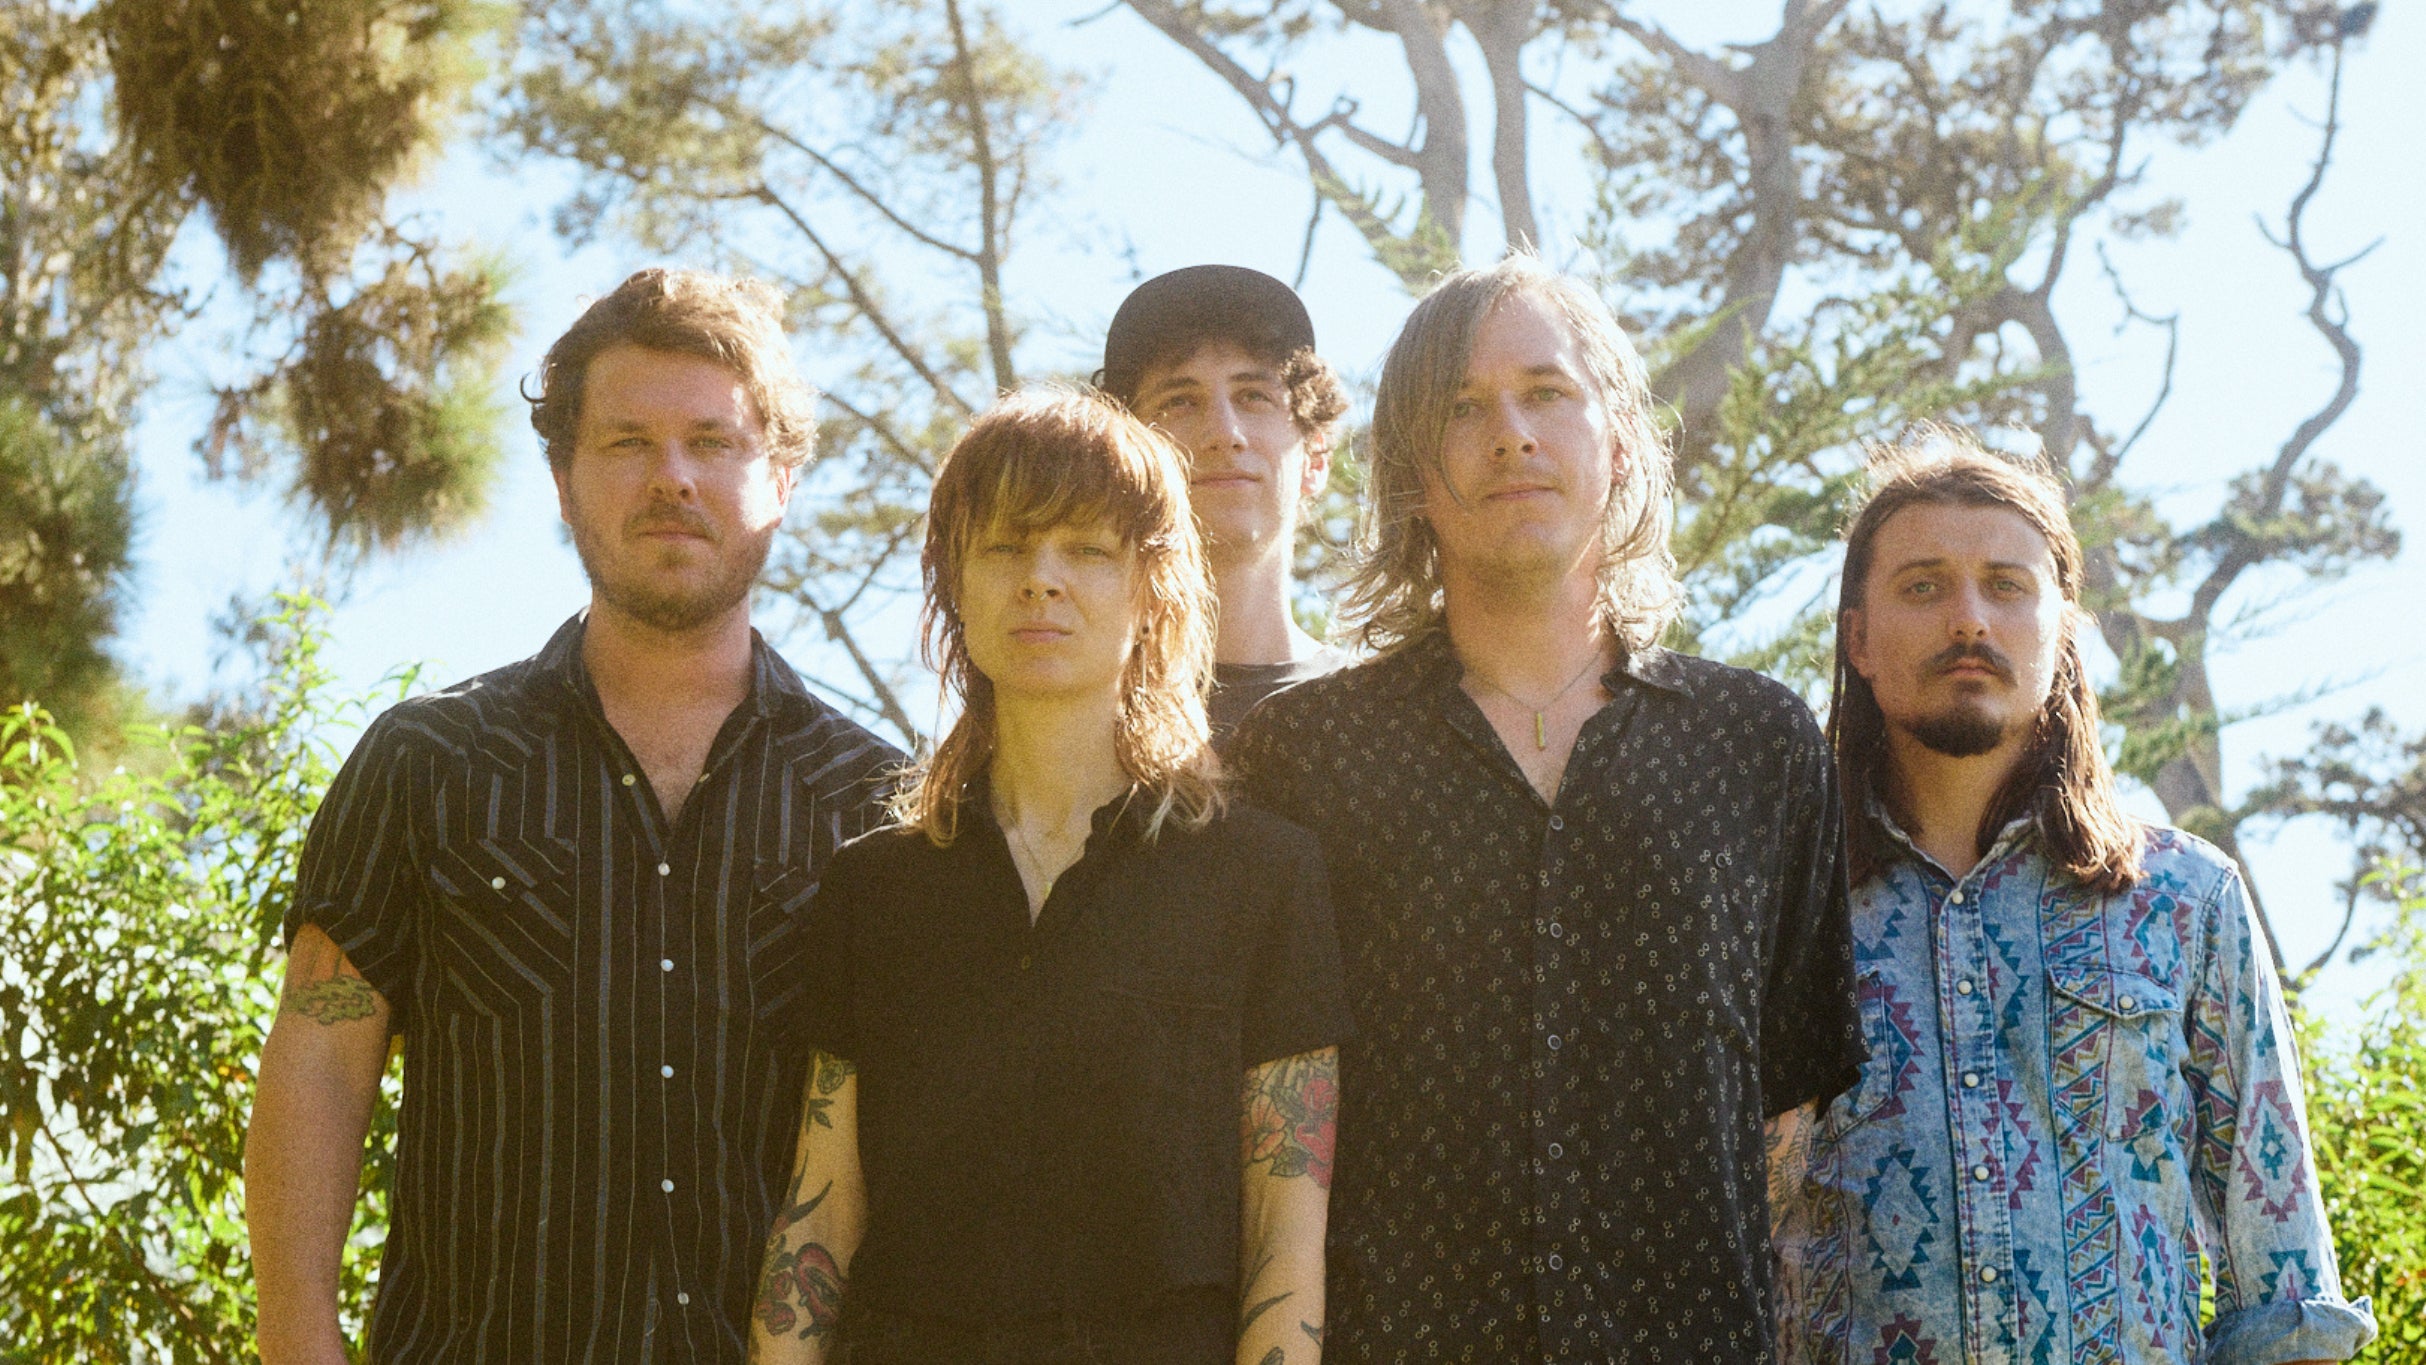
x: 1222, y: 358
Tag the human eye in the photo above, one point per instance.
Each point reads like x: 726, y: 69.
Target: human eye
x: 1258, y: 398
x: 1463, y: 407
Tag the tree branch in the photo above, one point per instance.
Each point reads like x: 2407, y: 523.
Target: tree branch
x: 989, y: 209
x: 861, y: 298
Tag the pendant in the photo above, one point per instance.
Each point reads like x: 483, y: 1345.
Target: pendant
x: 1541, y: 732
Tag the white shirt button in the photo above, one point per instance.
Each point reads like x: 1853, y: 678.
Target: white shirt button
x: 2127, y: 1003
x: 496, y: 883
x: 666, y: 1185
x: 1987, y: 1274
x: 1971, y: 1079
x: 1962, y: 988
x: 1557, y: 822
x: 1556, y: 1262
x: 628, y: 779
x: 1979, y: 1172
x: 1557, y: 930
x: 665, y: 964
x: 683, y: 1298
x: 666, y: 1071
x: 1553, y: 1042
x: 665, y: 870
x: 1957, y: 897
x: 1557, y: 1151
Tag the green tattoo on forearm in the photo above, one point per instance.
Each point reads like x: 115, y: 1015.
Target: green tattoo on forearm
x: 1275, y: 1356
x: 828, y: 1073
x: 334, y: 1001
x: 1289, y: 1117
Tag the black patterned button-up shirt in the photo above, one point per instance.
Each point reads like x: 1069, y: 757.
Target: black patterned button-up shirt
x: 602, y: 1080
x: 1572, y: 1016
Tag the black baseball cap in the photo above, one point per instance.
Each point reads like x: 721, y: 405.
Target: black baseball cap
x: 1178, y: 308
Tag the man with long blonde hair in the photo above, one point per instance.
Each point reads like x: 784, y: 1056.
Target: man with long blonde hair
x: 1588, y: 888
x: 1076, y: 1015
x: 2081, y: 1082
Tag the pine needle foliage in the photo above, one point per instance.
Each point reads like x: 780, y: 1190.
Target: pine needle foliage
x: 288, y: 119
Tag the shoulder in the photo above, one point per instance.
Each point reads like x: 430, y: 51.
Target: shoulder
x: 829, y: 751
x: 503, y: 701
x: 880, y: 857
x: 1350, y: 689
x: 2178, y: 863
x: 1249, y: 831
x: 1737, y: 698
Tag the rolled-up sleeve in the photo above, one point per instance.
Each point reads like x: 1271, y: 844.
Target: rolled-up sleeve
x: 2278, y: 1288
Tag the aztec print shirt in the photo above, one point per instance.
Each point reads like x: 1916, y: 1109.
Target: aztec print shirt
x: 2070, y: 1098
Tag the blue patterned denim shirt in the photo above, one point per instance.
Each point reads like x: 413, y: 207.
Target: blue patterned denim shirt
x: 2070, y: 1098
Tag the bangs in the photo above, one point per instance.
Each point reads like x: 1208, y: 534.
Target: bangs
x: 1032, y: 467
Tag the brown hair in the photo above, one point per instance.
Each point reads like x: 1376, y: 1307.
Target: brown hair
x: 1396, y: 589
x: 1317, y: 399
x: 1049, y: 458
x: 2062, y: 782
x: 734, y: 322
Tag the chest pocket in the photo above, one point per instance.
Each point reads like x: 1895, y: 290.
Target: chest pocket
x: 500, y: 936
x: 2117, y: 1047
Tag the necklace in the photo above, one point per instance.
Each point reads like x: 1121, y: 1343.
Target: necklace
x: 1034, y: 861
x: 1541, y: 723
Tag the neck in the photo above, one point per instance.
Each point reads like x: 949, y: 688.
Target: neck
x: 1054, y: 759
x: 1527, y: 640
x: 1940, y: 801
x: 1256, y: 627
x: 637, y: 665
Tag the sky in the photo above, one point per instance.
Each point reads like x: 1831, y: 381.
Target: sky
x: 1169, y: 170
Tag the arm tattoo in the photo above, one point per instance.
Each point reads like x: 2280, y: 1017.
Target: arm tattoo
x: 334, y: 1000
x: 1275, y: 1356
x: 1290, y: 1115
x: 830, y: 1071
x: 1789, y: 1152
x: 801, y: 1293
x: 1249, y: 1311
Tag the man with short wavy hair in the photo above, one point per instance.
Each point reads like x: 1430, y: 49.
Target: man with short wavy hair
x: 573, y: 887
x: 1587, y: 888
x: 2081, y: 1086
x: 1222, y: 359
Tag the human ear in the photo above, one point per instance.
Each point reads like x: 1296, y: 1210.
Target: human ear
x: 1853, y: 628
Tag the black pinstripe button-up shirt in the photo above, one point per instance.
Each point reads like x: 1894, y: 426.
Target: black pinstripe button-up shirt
x: 602, y: 1080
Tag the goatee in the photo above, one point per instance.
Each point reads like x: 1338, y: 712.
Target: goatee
x: 1958, y: 734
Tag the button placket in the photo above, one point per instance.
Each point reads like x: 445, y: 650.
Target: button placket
x: 1984, y: 1221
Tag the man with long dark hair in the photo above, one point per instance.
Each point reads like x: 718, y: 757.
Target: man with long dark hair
x: 1587, y: 887
x: 2081, y: 1083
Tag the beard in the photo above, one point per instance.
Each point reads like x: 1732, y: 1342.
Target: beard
x: 1959, y: 733
x: 664, y: 601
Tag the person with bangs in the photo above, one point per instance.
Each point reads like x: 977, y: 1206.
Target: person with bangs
x: 1076, y: 1014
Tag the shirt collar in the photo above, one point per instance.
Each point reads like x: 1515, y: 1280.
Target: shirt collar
x: 1429, y: 663
x: 2015, y: 831
x: 773, y: 684
x: 1119, y: 821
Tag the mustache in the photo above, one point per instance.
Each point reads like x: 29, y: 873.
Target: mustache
x: 667, y: 516
x: 1982, y: 653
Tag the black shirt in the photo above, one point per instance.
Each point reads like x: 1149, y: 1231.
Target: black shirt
x: 1049, y: 1114
x: 1572, y: 1017
x: 1238, y: 687
x: 602, y: 1086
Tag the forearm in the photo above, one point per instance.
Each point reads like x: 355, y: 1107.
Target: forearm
x: 1288, y: 1123
x: 302, y: 1176
x: 818, y: 1229
x: 320, y: 1069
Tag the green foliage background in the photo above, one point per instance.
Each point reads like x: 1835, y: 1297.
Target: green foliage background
x: 138, y: 974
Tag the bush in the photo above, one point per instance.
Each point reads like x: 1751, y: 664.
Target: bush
x: 139, y: 969
x: 2367, y: 1115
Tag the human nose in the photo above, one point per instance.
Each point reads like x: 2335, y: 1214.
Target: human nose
x: 1041, y: 578
x: 1511, y: 433
x: 672, y: 473
x: 1227, y: 432
x: 1966, y: 613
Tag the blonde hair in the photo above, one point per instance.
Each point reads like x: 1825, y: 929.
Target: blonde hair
x: 1395, y: 593
x: 1049, y: 458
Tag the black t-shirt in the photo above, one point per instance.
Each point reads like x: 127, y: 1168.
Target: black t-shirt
x: 1049, y: 1114
x: 1238, y: 687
